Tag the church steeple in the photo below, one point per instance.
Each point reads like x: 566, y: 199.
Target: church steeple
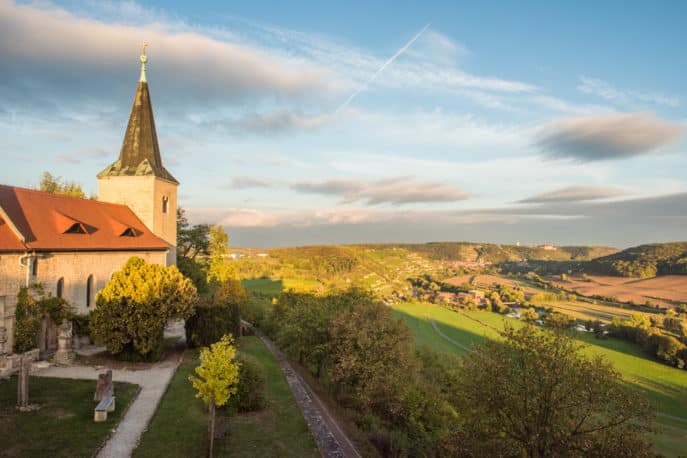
x: 140, y: 153
x: 138, y: 179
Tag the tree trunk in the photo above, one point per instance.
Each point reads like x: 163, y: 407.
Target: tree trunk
x: 211, y: 426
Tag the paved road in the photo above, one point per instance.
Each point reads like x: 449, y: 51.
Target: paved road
x: 330, y: 438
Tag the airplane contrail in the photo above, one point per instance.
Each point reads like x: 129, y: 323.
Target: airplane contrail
x: 403, y: 49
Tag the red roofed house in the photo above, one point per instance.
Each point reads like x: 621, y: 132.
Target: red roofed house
x: 73, y: 246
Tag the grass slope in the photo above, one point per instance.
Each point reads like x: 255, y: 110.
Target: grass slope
x: 179, y: 428
x: 664, y: 385
x: 63, y: 426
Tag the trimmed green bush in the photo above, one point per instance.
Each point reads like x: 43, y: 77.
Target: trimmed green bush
x: 250, y: 396
x: 136, y: 304
x: 209, y: 324
x: 219, y: 313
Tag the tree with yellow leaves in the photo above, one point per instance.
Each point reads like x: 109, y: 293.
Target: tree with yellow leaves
x: 218, y: 378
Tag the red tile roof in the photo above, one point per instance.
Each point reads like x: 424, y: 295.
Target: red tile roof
x: 47, y: 223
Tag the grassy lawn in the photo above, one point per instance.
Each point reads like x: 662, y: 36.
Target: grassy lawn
x: 664, y: 385
x: 179, y: 428
x: 63, y: 425
x: 264, y: 286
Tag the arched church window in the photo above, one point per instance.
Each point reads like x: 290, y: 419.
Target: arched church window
x: 59, y: 291
x: 165, y: 201
x: 34, y: 267
x: 89, y: 290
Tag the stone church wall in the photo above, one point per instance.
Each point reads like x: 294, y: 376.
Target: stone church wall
x: 74, y: 268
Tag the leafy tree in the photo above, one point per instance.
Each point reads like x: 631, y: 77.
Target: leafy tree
x: 529, y: 314
x: 218, y: 377
x: 558, y: 320
x: 191, y: 240
x: 218, y: 248
x: 136, y: 304
x: 56, y: 185
x: 372, y: 356
x: 534, y: 394
x: 217, y: 313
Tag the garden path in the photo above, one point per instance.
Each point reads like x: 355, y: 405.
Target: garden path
x: 330, y: 438
x: 153, y: 382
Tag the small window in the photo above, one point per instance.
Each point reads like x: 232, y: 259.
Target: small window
x: 89, y: 290
x: 59, y: 291
x: 76, y: 228
x: 165, y: 202
x: 129, y: 232
x: 34, y: 267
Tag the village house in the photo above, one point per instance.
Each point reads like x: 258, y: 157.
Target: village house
x: 72, y: 246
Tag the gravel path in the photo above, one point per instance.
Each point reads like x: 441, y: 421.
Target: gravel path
x: 450, y: 340
x: 153, y: 382
x: 330, y: 438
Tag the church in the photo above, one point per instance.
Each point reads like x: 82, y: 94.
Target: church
x: 72, y: 246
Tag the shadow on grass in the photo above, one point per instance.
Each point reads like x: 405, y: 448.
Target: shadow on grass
x: 426, y: 335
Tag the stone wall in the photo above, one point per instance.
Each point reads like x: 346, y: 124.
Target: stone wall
x: 74, y: 268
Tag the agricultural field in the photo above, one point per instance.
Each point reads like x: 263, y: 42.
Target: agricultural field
x: 666, y: 290
x: 451, y: 332
x: 582, y: 309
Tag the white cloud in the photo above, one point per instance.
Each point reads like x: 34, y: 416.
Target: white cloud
x: 574, y: 194
x: 393, y: 190
x: 607, y: 91
x: 84, y: 48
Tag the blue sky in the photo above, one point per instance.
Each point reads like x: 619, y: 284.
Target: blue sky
x: 300, y: 123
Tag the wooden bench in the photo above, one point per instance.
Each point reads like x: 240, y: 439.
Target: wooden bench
x: 101, y: 410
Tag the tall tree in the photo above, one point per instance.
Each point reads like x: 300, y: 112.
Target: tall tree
x: 220, y: 269
x: 372, y: 356
x: 191, y: 240
x: 534, y: 394
x: 57, y: 185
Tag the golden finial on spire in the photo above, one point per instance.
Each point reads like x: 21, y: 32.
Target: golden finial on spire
x: 144, y: 59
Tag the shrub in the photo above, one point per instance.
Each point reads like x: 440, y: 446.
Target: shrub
x: 219, y: 313
x: 32, y: 306
x: 134, y: 307
x: 209, y: 324
x: 81, y: 325
x: 250, y: 396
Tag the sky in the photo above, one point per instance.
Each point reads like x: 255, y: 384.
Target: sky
x: 298, y: 123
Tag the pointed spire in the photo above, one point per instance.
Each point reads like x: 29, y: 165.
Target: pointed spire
x: 140, y: 153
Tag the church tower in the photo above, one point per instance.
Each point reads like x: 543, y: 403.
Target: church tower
x: 138, y: 179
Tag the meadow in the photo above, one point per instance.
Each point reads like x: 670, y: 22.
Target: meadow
x: 179, y: 428
x: 664, y: 385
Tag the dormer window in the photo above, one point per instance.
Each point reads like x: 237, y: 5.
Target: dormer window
x: 129, y: 232
x: 165, y: 202
x: 76, y: 228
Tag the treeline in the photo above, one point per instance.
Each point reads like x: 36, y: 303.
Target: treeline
x: 497, y: 254
x: 418, y: 403
x: 663, y: 337
x: 354, y: 346
x: 645, y: 261
x: 320, y: 260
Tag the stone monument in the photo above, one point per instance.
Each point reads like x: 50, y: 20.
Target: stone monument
x: 104, y: 389
x: 65, y: 354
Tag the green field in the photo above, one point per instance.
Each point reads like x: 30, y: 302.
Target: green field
x: 179, y: 428
x: 664, y: 385
x: 63, y: 425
